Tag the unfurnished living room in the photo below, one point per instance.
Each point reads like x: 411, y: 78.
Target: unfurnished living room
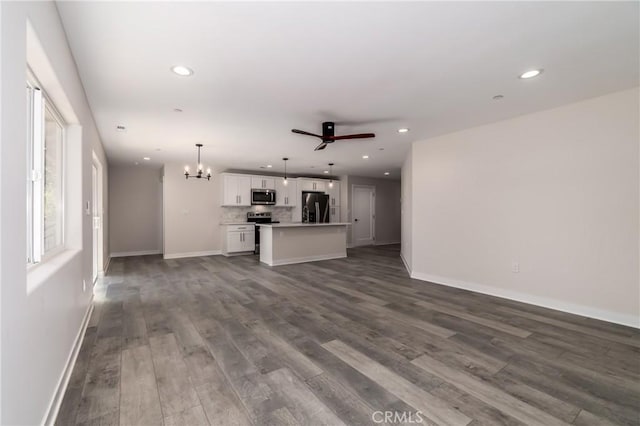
x: 319, y: 213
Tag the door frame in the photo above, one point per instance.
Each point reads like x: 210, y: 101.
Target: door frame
x: 100, y: 214
x: 372, y: 199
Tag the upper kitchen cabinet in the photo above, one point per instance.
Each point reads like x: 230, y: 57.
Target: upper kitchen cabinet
x: 236, y: 190
x: 334, y: 193
x: 312, y: 185
x: 263, y: 182
x: 286, y: 195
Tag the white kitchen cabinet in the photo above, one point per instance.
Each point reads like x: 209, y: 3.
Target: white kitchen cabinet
x: 238, y: 239
x: 334, y: 214
x: 334, y: 193
x: 286, y: 195
x: 263, y: 182
x: 318, y: 185
x: 236, y: 190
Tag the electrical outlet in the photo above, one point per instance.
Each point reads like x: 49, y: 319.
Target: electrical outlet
x: 515, y: 267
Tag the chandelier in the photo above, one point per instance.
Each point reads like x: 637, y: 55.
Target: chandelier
x: 200, y: 174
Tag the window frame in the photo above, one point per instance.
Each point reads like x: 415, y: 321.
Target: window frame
x: 38, y: 104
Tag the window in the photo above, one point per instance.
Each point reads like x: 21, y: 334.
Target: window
x: 45, y: 180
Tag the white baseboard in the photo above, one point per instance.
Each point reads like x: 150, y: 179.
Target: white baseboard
x: 305, y: 259
x: 192, y: 254
x: 586, y: 311
x: 386, y: 243
x: 56, y: 401
x: 237, y: 253
x: 135, y: 253
x: 406, y: 264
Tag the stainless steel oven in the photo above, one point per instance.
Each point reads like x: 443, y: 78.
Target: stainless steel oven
x: 255, y: 217
x: 263, y: 196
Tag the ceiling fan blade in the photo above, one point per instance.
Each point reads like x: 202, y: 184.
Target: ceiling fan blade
x: 302, y: 132
x: 323, y: 145
x: 356, y: 136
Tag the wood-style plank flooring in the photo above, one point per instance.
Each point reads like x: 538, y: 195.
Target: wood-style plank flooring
x: 228, y: 341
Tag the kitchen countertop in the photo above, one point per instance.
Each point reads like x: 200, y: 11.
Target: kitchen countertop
x: 301, y: 225
x: 237, y: 223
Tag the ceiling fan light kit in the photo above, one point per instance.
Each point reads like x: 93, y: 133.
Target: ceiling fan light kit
x: 200, y: 173
x: 328, y: 135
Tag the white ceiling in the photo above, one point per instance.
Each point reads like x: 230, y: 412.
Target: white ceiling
x: 264, y: 68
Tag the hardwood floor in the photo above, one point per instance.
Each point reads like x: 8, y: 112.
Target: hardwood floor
x: 228, y: 341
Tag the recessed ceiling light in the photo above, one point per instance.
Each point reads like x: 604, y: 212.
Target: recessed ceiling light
x: 120, y: 128
x: 269, y: 166
x: 177, y: 110
x: 365, y: 157
x: 146, y: 158
x: 403, y: 130
x: 531, y: 74
x: 136, y: 163
x: 497, y: 97
x: 181, y: 70
x: 387, y: 173
x: 326, y: 172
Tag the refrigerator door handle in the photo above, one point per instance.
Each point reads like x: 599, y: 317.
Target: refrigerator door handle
x: 325, y: 214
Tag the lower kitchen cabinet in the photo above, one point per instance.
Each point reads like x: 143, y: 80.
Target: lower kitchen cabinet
x: 238, y: 239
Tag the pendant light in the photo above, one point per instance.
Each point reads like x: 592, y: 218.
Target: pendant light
x: 284, y: 182
x: 200, y: 174
x: 331, y: 175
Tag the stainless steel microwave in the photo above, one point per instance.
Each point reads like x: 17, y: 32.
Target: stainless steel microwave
x: 263, y: 196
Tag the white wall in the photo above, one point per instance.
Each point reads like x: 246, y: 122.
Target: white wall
x: 39, y: 327
x: 556, y: 191
x: 135, y: 210
x: 191, y: 213
x: 387, y: 205
x: 406, y: 211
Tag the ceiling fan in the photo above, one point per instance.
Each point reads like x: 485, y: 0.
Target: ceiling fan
x: 328, y: 135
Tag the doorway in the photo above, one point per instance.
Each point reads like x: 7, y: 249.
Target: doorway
x: 363, y: 214
x: 96, y: 211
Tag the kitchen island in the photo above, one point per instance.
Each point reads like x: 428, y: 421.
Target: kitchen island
x: 296, y: 242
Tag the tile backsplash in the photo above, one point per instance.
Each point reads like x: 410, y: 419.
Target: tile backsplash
x: 239, y: 214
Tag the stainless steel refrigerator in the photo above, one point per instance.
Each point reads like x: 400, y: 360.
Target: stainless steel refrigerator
x: 315, y: 207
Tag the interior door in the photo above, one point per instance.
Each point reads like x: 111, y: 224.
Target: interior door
x: 363, y: 215
x: 96, y: 219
